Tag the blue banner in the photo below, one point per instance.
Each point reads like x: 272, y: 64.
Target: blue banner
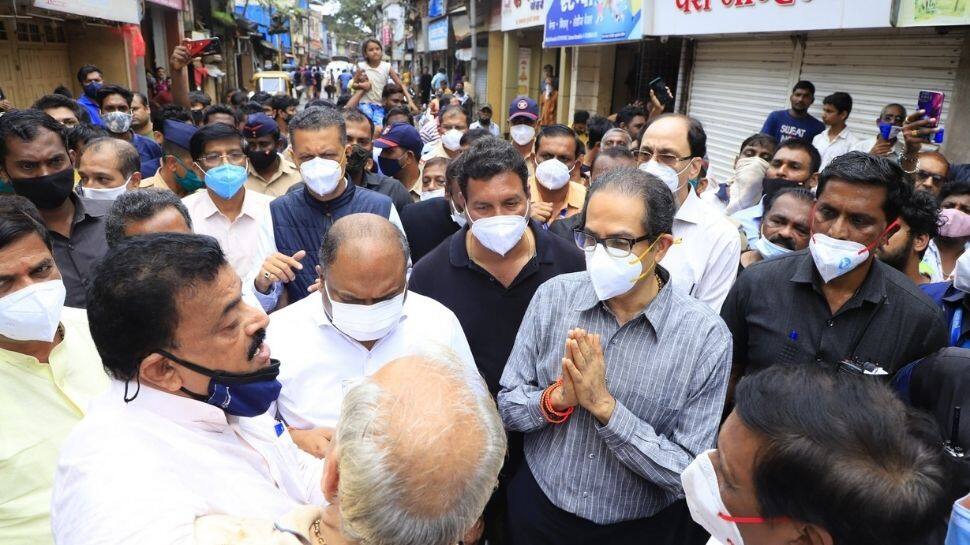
x: 438, y: 35
x: 436, y: 8
x: 592, y: 22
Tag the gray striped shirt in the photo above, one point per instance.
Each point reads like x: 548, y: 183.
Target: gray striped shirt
x: 668, y: 370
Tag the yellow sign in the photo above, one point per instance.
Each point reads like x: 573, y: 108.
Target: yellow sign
x: 933, y: 12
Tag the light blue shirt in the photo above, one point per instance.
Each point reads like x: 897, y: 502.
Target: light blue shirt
x: 750, y: 220
x: 959, y: 530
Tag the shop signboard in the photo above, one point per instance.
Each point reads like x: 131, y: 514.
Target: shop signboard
x: 933, y: 13
x: 518, y: 14
x: 696, y: 17
x: 124, y: 11
x: 438, y: 35
x: 436, y: 8
x: 523, y: 69
x: 591, y: 22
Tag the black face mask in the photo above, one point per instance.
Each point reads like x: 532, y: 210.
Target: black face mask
x: 261, y: 160
x: 770, y: 186
x: 484, y: 121
x: 357, y: 160
x: 45, y: 192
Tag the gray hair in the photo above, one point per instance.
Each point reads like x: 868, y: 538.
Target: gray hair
x: 657, y: 200
x: 626, y: 135
x: 139, y: 205
x: 417, y: 466
x: 360, y: 226
x: 129, y: 162
x: 316, y: 118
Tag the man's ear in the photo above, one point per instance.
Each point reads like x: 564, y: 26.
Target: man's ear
x: 169, y: 162
x: 816, y: 535
x: 921, y: 242
x: 72, y: 156
x: 331, y: 476
x: 159, y: 137
x: 156, y: 370
x: 812, y: 181
x: 696, y: 163
x: 135, y: 180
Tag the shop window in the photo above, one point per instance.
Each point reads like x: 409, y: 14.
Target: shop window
x: 54, y: 33
x: 28, y: 32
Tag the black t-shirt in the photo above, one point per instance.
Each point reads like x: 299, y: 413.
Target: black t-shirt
x: 427, y: 224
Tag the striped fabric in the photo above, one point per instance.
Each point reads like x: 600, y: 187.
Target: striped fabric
x: 668, y: 370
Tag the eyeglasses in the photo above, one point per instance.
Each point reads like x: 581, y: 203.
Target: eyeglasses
x: 615, y: 246
x: 668, y: 159
x: 936, y: 179
x: 212, y: 160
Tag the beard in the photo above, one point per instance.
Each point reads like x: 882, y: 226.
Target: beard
x: 898, y: 258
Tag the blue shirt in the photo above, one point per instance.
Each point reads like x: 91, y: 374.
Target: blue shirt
x: 783, y: 126
x: 94, y: 111
x: 344, y: 78
x: 150, y: 153
x: 951, y: 300
x: 750, y: 220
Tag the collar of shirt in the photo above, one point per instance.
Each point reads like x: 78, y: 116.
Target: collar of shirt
x: 953, y: 295
x: 415, y: 190
x: 458, y: 252
x: 249, y: 207
x: 844, y: 134
x: 182, y: 410
x: 286, y: 167
x: 692, y: 211
x: 873, y: 288
x: 656, y: 312
x: 82, y: 212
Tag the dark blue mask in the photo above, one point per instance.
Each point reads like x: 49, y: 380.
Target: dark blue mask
x: 389, y: 167
x: 91, y: 90
x: 239, y: 394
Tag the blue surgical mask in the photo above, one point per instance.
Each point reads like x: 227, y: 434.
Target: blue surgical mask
x: 239, y: 394
x: 226, y: 180
x: 769, y: 249
x: 190, y: 182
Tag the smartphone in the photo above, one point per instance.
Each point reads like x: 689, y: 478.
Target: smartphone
x: 205, y: 46
x: 659, y: 89
x: 931, y: 102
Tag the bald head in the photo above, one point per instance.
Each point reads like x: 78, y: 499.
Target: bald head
x: 112, y: 153
x: 365, y: 239
x: 417, y: 452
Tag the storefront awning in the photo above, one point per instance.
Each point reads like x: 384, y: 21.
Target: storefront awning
x: 124, y: 11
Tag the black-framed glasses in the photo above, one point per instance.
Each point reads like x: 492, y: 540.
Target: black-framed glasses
x: 935, y: 179
x: 668, y: 159
x: 615, y: 246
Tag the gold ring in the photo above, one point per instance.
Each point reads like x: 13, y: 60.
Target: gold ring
x: 915, y: 133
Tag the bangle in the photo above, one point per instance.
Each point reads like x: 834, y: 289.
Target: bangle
x: 546, y: 408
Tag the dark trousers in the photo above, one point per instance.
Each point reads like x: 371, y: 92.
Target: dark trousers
x: 534, y: 520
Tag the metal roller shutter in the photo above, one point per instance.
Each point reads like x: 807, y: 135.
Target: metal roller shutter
x: 735, y: 84
x: 878, y: 68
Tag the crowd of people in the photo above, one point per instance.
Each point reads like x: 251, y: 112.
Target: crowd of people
x: 372, y: 319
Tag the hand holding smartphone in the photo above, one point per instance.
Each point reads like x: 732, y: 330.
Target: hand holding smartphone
x: 205, y: 46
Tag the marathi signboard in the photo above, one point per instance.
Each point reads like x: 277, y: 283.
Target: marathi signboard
x: 590, y: 22
x: 933, y: 12
x: 125, y: 11
x: 436, y: 8
x: 438, y: 35
x: 518, y: 14
x: 693, y: 17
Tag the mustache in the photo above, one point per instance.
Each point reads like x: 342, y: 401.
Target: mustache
x: 258, y: 339
x: 784, y: 242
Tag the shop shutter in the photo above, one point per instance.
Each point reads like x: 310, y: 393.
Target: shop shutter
x: 878, y: 68
x: 735, y: 84
x: 481, y: 80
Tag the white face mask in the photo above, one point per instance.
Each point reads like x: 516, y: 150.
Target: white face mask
x: 961, y: 273
x: 32, y: 313
x: 834, y: 257
x: 117, y: 122
x: 433, y: 194
x: 499, y: 233
x: 613, y: 276
x: 522, y: 134
x: 105, y: 194
x: 321, y: 175
x: 669, y: 176
x: 705, y: 503
x: 456, y: 216
x: 769, y: 249
x: 553, y: 174
x: 451, y: 139
x: 366, y: 322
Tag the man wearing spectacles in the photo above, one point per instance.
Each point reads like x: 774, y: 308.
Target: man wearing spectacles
x: 886, y: 142
x: 705, y: 262
x: 237, y: 217
x: 606, y: 434
x: 932, y: 171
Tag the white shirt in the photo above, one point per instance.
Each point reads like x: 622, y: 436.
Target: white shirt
x: 142, y: 472
x: 492, y: 127
x: 829, y: 149
x: 319, y: 362
x: 248, y: 240
x: 866, y: 145
x: 703, y: 262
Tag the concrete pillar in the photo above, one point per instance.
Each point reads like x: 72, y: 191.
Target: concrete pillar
x: 956, y: 138
x: 496, y: 74
x: 563, y: 110
x: 510, y: 59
